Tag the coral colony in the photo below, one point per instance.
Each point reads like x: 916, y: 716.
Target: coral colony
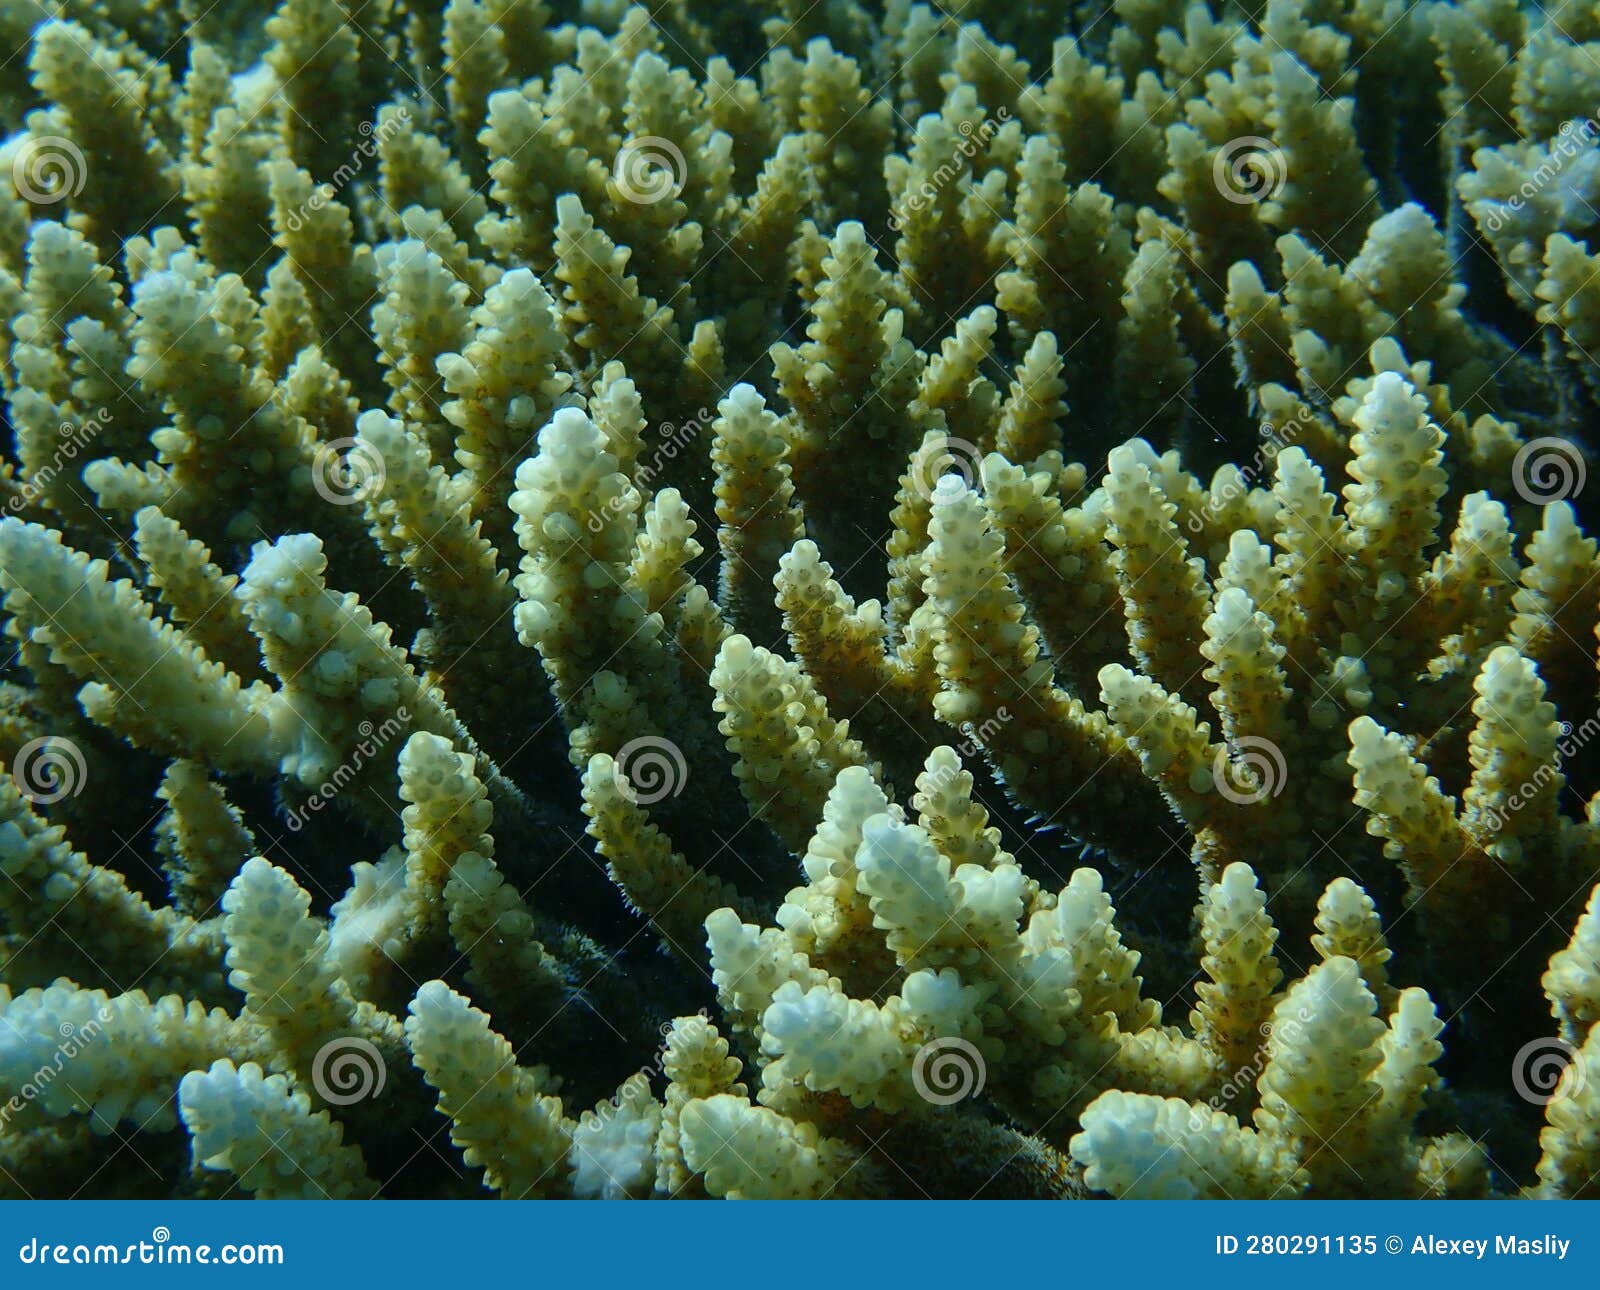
x: 602, y: 601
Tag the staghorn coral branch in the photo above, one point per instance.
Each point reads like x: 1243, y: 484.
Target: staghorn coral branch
x: 1110, y: 399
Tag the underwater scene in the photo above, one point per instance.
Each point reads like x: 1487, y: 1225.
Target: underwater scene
x: 799, y: 599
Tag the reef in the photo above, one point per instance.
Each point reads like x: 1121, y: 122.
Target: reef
x: 799, y: 600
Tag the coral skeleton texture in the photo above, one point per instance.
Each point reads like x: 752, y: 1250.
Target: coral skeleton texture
x: 856, y: 599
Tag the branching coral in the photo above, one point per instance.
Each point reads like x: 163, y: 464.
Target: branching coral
x: 1039, y: 560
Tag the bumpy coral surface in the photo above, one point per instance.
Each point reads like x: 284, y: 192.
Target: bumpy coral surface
x: 799, y: 600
